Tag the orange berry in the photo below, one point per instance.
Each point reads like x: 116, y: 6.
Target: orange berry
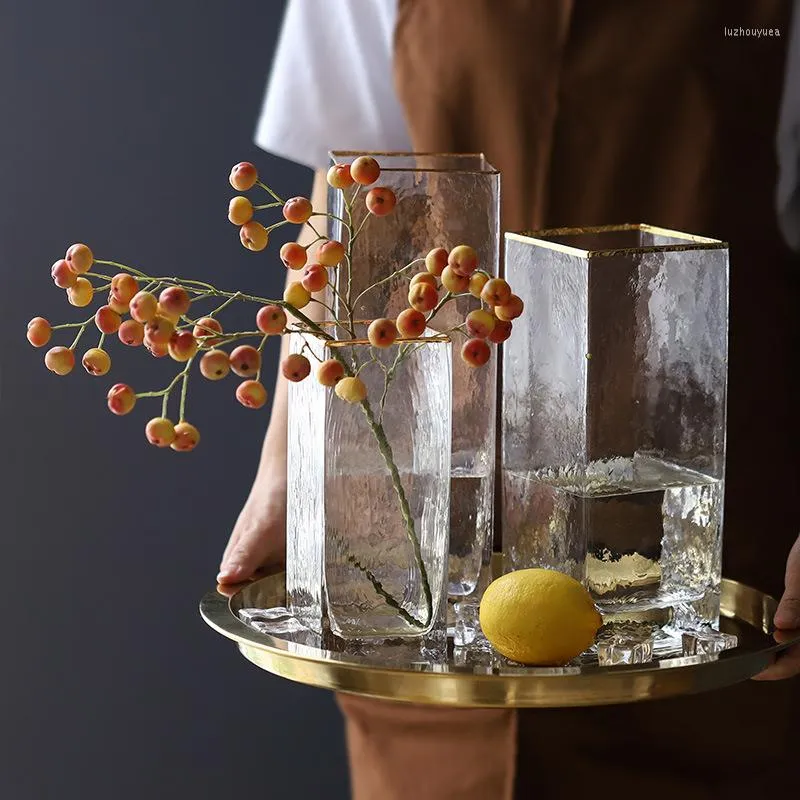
x: 160, y: 432
x: 240, y: 210
x: 330, y: 253
x: 339, y: 176
x: 96, y: 361
x: 463, y: 259
x: 382, y: 333
x: 215, y: 365
x: 80, y: 258
x: 204, y: 330
x: 251, y: 394
x: 114, y: 305
x: 131, y: 333
x: 39, y: 332
x: 351, y: 390
x: 243, y: 176
x: 187, y: 437
x: 496, y: 292
x: 500, y: 332
x: 295, y: 367
x: 510, y: 309
x: 254, y: 236
x: 245, y: 361
x: 476, y: 283
x: 298, y: 210
x: 381, y: 201
x: 171, y: 316
x: 156, y: 350
x: 174, y: 301
x: 293, y: 255
x: 182, y: 346
x: 411, y: 323
x: 424, y: 277
x: 124, y: 288
x: 454, y: 282
x: 81, y: 293
x: 60, y: 360
x: 436, y: 261
x: 297, y: 295
x: 475, y: 352
x: 365, y: 170
x: 120, y: 399
x: 159, y: 331
x: 314, y: 277
x: 144, y: 306
x: 107, y: 320
x: 480, y: 323
x: 423, y: 297
x: 271, y: 320
x: 330, y: 372
x: 62, y: 274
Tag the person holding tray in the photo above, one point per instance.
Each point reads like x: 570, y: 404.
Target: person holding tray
x: 595, y: 113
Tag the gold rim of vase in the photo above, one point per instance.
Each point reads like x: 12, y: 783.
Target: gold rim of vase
x: 488, y: 170
x: 539, y: 238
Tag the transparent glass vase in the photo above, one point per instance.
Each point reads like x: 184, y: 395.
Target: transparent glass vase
x: 613, y: 433
x: 368, y: 491
x: 442, y: 200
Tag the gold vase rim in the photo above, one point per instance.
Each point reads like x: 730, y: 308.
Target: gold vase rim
x: 539, y: 239
x: 376, y: 154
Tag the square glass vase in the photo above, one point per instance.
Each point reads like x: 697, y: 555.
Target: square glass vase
x: 613, y: 423
x: 442, y: 200
x: 368, y: 491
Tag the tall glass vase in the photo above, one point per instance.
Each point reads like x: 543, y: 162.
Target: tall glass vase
x: 442, y: 200
x: 368, y: 491
x: 614, y: 414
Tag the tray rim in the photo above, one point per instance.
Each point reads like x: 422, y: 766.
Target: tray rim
x: 522, y: 687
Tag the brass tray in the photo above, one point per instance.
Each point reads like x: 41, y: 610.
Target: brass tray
x: 745, y: 612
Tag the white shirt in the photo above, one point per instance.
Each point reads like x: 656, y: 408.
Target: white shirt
x: 332, y: 88
x: 332, y: 85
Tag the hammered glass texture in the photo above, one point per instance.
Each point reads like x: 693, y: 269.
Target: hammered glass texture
x: 442, y: 201
x: 350, y: 555
x: 613, y: 429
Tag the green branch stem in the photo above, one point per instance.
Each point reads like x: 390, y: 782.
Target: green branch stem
x: 184, y: 390
x: 80, y: 333
x: 270, y: 192
x: 388, y: 278
x: 405, y: 510
x: 71, y: 324
x: 378, y: 587
x: 124, y: 267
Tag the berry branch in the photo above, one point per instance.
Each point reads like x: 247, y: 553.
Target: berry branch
x: 163, y: 324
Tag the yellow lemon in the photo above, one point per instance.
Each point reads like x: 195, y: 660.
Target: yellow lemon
x: 539, y: 616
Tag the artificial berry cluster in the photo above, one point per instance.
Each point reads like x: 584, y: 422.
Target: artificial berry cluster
x: 159, y: 312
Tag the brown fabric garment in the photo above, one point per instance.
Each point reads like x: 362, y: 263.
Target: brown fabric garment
x: 600, y: 113
x: 408, y: 752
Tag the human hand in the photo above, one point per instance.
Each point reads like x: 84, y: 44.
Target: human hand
x: 787, y: 617
x: 259, y: 536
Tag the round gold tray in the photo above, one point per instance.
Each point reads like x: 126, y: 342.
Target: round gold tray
x: 745, y: 612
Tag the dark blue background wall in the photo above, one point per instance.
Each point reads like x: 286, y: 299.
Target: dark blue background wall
x: 118, y: 126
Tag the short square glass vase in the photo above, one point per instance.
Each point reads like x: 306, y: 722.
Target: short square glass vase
x: 613, y: 433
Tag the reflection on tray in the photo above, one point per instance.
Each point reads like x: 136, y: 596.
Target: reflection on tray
x: 618, y: 644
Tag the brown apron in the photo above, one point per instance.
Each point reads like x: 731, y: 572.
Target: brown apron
x: 599, y: 113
